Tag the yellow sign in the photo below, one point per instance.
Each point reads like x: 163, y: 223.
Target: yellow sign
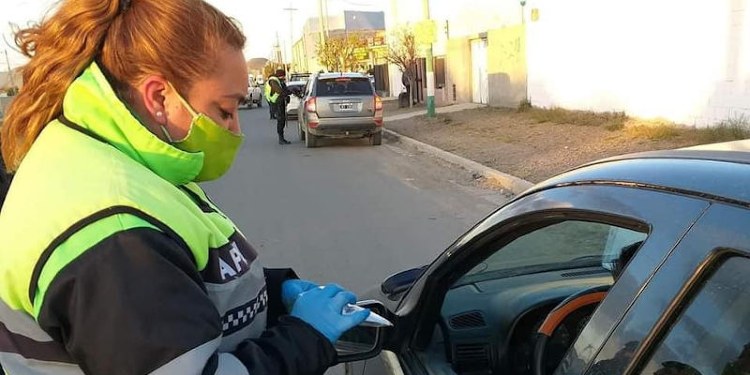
x: 425, y: 32
x: 535, y: 15
x: 361, y: 54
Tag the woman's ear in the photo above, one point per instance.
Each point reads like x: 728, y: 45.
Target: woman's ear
x: 152, y: 92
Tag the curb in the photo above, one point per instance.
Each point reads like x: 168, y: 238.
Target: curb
x: 510, y: 183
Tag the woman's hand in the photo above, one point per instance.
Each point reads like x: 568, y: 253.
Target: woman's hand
x: 322, y: 308
x: 292, y: 288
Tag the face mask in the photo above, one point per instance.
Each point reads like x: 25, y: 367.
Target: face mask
x: 218, y: 145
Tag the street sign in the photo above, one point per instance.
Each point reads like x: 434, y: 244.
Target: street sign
x: 361, y: 54
x: 425, y: 32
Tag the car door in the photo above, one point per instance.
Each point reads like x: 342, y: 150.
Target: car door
x: 663, y: 217
x: 693, y: 317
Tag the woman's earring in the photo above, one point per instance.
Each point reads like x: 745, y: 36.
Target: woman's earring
x: 159, y: 114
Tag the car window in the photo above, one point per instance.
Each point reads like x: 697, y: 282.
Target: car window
x: 521, y: 280
x: 568, y: 244
x: 712, y: 334
x: 344, y: 86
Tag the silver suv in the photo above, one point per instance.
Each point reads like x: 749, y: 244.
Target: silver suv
x: 340, y: 105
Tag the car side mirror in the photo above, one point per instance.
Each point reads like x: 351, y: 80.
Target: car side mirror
x: 364, y: 341
x: 400, y: 282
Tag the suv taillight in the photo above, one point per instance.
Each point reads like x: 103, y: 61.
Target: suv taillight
x: 311, y: 105
x: 378, y: 103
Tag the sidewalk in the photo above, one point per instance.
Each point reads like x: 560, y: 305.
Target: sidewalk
x: 439, y: 110
x: 499, y: 179
x: 514, y: 148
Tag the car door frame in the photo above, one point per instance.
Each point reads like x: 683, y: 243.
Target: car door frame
x: 668, y: 215
x: 679, y: 279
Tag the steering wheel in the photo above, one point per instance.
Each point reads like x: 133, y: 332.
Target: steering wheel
x: 553, y: 321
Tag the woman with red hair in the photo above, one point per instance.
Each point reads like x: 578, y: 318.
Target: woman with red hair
x: 114, y: 260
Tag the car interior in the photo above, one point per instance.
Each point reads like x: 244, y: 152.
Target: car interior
x: 519, y: 310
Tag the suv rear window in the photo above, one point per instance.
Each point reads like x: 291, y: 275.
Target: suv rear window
x: 344, y: 87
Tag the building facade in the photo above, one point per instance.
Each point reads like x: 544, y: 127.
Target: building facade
x: 368, y: 25
x: 687, y: 62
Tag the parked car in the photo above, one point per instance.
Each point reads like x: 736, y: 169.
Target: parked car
x: 297, y: 89
x: 340, y: 105
x: 254, y: 96
x: 633, y: 265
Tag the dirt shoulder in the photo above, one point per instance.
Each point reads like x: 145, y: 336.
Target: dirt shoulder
x: 537, y: 144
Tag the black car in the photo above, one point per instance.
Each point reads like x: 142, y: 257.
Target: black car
x: 634, y: 265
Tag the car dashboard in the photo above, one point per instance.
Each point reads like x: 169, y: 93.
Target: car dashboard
x: 491, y: 326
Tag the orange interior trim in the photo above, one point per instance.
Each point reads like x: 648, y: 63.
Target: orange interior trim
x: 556, y: 316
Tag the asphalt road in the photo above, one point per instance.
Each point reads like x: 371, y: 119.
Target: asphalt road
x: 347, y: 212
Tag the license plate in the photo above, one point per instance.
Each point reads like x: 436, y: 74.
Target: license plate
x: 346, y: 107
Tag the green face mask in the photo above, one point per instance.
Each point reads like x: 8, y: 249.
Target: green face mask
x: 218, y: 145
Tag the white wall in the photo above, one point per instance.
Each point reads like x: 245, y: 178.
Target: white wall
x: 472, y: 17
x: 687, y: 61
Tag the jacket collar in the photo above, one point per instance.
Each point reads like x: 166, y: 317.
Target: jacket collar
x: 92, y: 104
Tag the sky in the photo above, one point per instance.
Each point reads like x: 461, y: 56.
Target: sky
x: 261, y: 20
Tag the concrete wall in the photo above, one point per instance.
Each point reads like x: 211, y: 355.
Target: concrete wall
x: 687, y: 61
x: 468, y: 18
x: 507, y: 66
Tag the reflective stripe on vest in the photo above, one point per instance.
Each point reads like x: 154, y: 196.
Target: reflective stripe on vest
x: 152, y: 196
x: 272, y: 98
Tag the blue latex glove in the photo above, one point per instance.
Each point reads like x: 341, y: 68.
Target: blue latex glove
x: 321, y: 308
x: 292, y: 288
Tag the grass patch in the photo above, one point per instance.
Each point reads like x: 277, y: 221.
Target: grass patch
x: 653, y: 133
x: 504, y: 139
x: 732, y: 129
x: 608, y: 120
x: 654, y: 130
x: 439, y: 119
x: 524, y: 106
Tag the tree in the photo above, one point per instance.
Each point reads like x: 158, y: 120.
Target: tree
x: 402, y: 52
x: 337, y: 54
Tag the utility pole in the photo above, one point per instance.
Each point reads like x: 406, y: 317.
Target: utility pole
x: 430, y: 67
x: 10, y: 71
x: 325, y: 19
x: 291, y: 11
x: 321, y: 24
x: 277, y: 51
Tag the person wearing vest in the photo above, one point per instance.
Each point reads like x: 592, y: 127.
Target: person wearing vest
x: 266, y: 95
x: 278, y: 97
x: 114, y: 260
